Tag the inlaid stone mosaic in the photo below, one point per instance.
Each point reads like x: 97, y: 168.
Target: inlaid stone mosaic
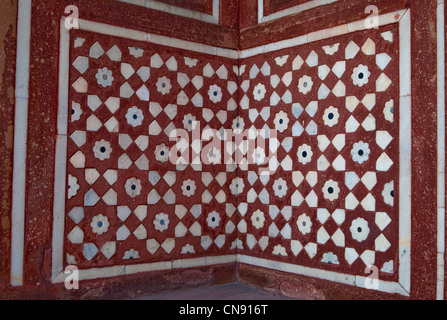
x: 125, y: 199
x: 330, y: 199
x: 320, y: 191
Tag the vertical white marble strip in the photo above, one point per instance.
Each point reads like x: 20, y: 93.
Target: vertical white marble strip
x: 441, y: 148
x: 260, y: 10
x: 59, y: 205
x: 216, y: 10
x: 61, y: 153
x: 20, y: 138
x: 405, y: 152
x: 64, y: 61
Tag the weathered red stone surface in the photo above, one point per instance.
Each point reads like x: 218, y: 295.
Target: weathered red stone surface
x: 424, y: 141
x: 157, y: 22
x: 42, y: 131
x: 340, y: 12
x: 271, y: 6
x: 8, y: 12
x: 205, y: 6
x: 42, y: 113
x: 126, y: 287
x: 305, y: 288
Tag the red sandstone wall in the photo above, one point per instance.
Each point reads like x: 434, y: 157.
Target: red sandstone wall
x: 43, y: 119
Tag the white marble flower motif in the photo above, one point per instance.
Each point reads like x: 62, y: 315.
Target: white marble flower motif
x: 360, y: 152
x: 164, y: 85
x: 258, y: 219
x: 161, y: 153
x: 215, y: 93
x: 330, y: 258
x: 133, y: 187
x: 102, y: 149
x: 189, y: 122
x: 305, y: 84
x: 304, y: 154
x: 73, y: 186
x: 281, y: 121
x: 131, y: 254
x: 258, y: 156
x: 134, y: 116
x: 388, y: 193
x: 100, y: 224
x: 76, y: 111
x: 279, y: 250
x: 281, y: 60
x: 304, y: 224
x: 136, y: 52
x: 388, y: 111
x: 237, y: 186
x: 104, y: 77
x: 259, y: 92
x: 189, y: 188
x: 161, y: 221
x: 331, y: 49
x: 331, y: 116
x: 360, y: 75
x: 280, y: 187
x: 214, y: 156
x: 190, y: 62
x: 238, y: 125
x: 359, y: 229
x: 213, y: 219
x: 187, y: 249
x: 331, y: 190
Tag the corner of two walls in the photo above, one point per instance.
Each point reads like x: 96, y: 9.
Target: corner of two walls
x: 333, y: 108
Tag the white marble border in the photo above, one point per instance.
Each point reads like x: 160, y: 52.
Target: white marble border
x: 405, y: 135
x: 402, y: 287
x: 289, y: 11
x: 441, y: 149
x: 20, y: 136
x: 157, y: 39
x: 121, y: 270
x: 358, y: 281
x: 385, y: 19
x: 165, y: 7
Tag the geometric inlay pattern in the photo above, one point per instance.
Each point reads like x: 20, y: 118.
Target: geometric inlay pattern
x: 330, y: 200
x: 126, y: 202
